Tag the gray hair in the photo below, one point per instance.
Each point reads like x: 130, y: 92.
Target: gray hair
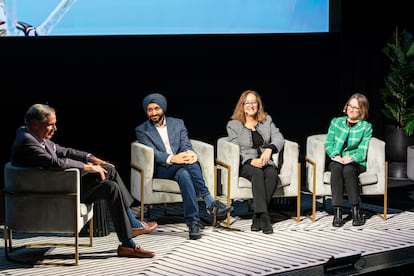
x: 38, y: 112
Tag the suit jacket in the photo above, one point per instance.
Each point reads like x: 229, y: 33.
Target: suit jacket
x: 28, y: 151
x: 147, y: 134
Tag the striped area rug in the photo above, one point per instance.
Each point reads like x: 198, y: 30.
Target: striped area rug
x: 220, y: 251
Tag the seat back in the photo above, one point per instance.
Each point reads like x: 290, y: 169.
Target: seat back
x: 143, y: 184
x: 39, y: 200
x: 44, y: 201
x: 241, y: 188
x: 374, y: 181
x: 237, y: 187
x: 150, y: 190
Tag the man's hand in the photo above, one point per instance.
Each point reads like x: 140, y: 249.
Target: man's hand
x: 97, y: 161
x: 96, y: 169
x: 193, y: 156
x: 187, y: 157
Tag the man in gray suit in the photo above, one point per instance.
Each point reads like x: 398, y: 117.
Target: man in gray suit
x: 32, y: 147
x: 176, y: 160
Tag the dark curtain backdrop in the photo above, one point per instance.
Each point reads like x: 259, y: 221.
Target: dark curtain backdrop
x: 97, y: 83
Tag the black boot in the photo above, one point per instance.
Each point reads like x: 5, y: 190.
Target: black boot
x: 358, y: 218
x: 266, y: 223
x: 337, y: 220
x: 256, y: 223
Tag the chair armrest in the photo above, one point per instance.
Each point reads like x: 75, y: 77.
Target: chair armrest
x: 38, y: 180
x: 315, y: 156
x: 376, y: 155
x: 315, y: 148
x: 205, y: 154
x: 228, y: 154
x: 142, y: 160
x: 227, y: 151
x: 376, y: 160
x: 290, y: 161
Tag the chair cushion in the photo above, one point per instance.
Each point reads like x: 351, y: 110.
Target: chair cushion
x: 244, y: 183
x: 284, y: 181
x: 85, y: 208
x: 365, y: 178
x: 165, y: 185
x: 327, y: 178
x: 368, y: 178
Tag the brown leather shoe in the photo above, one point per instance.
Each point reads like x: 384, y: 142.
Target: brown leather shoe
x: 148, y: 227
x: 137, y: 252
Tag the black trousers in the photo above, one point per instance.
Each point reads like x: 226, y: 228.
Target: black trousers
x: 264, y: 183
x: 345, y: 176
x: 116, y: 195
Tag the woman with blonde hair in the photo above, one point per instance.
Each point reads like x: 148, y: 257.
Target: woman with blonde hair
x: 258, y: 137
x: 347, y: 145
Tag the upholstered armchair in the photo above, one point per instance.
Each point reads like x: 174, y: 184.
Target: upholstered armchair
x: 237, y: 187
x: 410, y: 162
x: 149, y: 190
x: 44, y: 201
x: 373, y: 182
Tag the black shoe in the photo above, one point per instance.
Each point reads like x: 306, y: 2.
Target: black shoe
x: 337, y: 220
x: 219, y: 209
x: 358, y: 218
x: 266, y: 223
x: 256, y: 223
x: 194, y: 230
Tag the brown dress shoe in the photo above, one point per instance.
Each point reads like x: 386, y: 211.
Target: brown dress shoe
x: 137, y: 252
x: 148, y: 227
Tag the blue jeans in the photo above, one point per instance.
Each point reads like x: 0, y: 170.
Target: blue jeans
x: 191, y: 182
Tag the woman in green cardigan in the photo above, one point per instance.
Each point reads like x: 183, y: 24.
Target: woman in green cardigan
x: 347, y: 146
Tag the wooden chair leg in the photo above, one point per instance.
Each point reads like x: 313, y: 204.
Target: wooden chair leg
x: 298, y: 198
x: 384, y: 215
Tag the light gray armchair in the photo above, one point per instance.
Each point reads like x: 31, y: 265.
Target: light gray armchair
x: 149, y: 190
x: 228, y: 160
x: 373, y: 182
x: 44, y: 201
x: 410, y: 162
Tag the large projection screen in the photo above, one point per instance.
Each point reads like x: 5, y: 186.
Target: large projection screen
x: 163, y: 17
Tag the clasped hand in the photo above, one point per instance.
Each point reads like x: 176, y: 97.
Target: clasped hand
x: 343, y: 160
x: 263, y: 160
x: 186, y: 157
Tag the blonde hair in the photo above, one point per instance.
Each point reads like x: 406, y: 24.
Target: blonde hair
x: 238, y: 113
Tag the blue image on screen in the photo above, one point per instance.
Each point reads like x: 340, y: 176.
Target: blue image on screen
x: 159, y: 17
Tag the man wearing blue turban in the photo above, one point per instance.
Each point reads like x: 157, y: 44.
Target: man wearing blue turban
x: 176, y: 160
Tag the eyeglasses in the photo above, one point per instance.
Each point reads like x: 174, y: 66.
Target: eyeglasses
x: 353, y: 107
x: 250, y: 103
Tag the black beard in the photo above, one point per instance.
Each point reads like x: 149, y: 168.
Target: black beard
x: 160, y: 119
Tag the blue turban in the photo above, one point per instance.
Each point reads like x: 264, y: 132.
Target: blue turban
x: 155, y: 98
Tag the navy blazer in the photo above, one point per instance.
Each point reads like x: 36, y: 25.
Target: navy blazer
x: 147, y: 134
x: 28, y: 151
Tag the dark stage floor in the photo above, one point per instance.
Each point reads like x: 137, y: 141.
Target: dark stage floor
x: 295, y: 248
